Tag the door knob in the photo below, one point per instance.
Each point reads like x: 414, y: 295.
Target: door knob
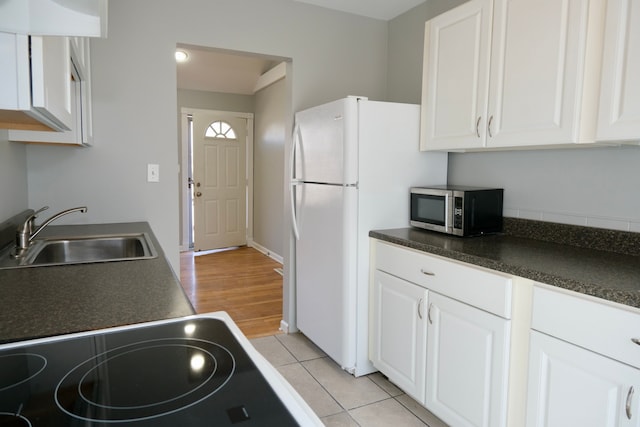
x: 198, y: 194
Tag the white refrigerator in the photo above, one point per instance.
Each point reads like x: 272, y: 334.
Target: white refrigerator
x: 354, y: 161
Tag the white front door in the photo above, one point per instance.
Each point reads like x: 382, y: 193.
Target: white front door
x: 219, y: 180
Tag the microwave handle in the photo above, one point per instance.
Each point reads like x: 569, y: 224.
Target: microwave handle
x: 448, y: 212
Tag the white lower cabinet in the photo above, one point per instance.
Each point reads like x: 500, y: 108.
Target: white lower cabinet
x: 584, y: 362
x: 451, y: 352
x: 398, y: 345
x: 477, y: 350
x: 467, y: 364
x: 572, y: 386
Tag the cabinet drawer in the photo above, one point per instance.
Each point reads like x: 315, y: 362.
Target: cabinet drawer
x: 597, y: 326
x: 472, y: 285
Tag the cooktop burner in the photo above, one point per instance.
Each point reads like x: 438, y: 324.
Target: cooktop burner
x: 192, y: 372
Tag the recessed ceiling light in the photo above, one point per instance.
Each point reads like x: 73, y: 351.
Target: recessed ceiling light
x: 181, y: 56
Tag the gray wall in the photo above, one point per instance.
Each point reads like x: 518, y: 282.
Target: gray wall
x: 215, y: 101
x: 13, y: 177
x: 134, y: 90
x: 584, y: 186
x: 406, y: 41
x: 268, y: 167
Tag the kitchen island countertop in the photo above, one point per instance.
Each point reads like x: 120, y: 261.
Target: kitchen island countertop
x: 604, y: 274
x: 45, y: 301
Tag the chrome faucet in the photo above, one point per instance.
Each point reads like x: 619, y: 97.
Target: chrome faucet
x: 26, y: 232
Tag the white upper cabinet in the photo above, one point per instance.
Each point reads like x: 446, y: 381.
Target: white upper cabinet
x: 619, y: 114
x: 73, y: 89
x: 51, y: 79
x: 511, y: 74
x: 35, y: 83
x: 85, y: 18
x: 455, y: 78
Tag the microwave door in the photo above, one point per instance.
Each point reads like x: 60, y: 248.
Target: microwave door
x: 431, y: 210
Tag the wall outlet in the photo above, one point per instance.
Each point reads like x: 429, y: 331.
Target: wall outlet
x: 153, y: 173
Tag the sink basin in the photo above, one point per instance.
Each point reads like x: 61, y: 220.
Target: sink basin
x: 85, y: 249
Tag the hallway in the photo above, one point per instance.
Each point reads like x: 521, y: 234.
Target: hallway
x: 243, y: 282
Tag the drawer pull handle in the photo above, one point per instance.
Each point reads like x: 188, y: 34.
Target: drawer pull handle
x: 635, y: 340
x: 419, y: 304
x: 429, y: 314
x: 628, y: 405
x: 427, y: 272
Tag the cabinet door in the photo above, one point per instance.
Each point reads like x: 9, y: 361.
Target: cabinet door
x: 467, y: 364
x: 537, y: 72
x: 455, y: 77
x: 571, y: 386
x: 619, y: 114
x: 81, y: 132
x: 398, y: 332
x: 51, y: 80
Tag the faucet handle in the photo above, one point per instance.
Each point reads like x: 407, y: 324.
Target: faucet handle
x: 44, y: 208
x: 28, y: 223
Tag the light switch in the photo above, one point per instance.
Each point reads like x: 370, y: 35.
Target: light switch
x: 153, y: 173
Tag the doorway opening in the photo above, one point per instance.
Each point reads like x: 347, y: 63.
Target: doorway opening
x: 216, y: 80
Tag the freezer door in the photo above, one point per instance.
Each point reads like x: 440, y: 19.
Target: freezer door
x: 326, y: 268
x: 326, y: 143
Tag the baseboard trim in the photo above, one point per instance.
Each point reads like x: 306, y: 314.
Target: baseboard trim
x: 284, y: 326
x: 274, y: 256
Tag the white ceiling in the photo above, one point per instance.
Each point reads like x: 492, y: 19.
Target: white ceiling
x: 214, y: 70
x: 218, y: 71
x: 378, y: 9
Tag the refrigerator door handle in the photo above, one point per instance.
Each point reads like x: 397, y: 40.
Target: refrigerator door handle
x: 292, y: 159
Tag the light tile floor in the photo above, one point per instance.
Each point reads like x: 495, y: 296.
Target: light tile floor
x: 338, y: 398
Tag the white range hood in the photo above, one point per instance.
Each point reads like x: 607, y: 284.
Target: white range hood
x: 83, y: 18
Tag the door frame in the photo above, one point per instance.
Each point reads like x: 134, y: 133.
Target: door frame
x: 186, y: 193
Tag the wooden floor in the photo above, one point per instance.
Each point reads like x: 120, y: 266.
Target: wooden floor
x: 243, y: 282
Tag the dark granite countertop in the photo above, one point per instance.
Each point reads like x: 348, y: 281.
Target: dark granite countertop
x: 45, y: 301
x: 606, y: 274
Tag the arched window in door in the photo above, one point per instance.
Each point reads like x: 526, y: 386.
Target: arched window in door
x: 221, y: 130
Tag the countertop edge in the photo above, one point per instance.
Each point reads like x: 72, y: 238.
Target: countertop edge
x: 53, y: 300
x: 626, y: 298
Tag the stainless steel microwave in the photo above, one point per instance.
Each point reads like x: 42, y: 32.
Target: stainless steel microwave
x: 458, y: 210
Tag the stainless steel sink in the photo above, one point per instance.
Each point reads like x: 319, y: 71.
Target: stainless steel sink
x: 85, y: 249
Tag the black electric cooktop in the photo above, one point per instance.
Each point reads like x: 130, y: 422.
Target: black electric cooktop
x: 187, y: 373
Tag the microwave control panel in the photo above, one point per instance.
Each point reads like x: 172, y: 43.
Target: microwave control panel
x: 457, y: 212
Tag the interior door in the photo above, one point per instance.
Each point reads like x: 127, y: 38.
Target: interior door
x: 219, y: 181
